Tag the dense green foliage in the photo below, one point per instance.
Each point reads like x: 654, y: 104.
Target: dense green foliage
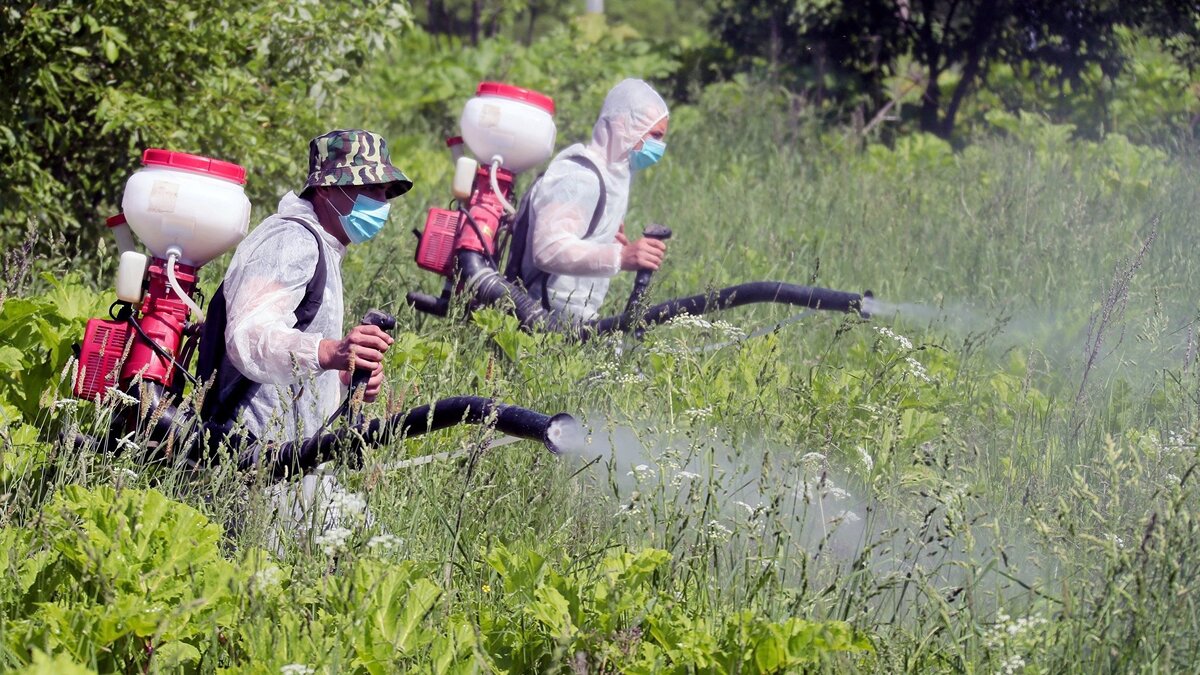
x: 849, y: 50
x: 953, y: 484
x: 997, y: 472
x: 89, y: 85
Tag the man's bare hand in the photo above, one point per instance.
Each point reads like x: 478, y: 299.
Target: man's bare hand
x: 361, y: 349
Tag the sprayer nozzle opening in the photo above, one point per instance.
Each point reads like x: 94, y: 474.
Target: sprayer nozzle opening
x: 865, y: 305
x: 564, y: 434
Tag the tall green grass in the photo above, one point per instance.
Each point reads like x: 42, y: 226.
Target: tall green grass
x: 951, y: 479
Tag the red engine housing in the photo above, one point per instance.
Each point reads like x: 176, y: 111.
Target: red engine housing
x: 435, y: 251
x: 100, y: 358
x: 162, y: 317
x: 447, y: 232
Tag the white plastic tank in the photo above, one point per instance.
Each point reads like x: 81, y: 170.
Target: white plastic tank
x: 187, y: 204
x: 510, y: 123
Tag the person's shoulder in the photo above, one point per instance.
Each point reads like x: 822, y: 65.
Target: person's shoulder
x: 576, y: 170
x: 279, y: 236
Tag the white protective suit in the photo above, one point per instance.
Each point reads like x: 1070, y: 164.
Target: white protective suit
x: 577, y: 268
x: 265, y: 282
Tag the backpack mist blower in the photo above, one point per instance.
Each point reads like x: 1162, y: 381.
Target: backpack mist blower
x: 188, y: 210
x: 511, y: 130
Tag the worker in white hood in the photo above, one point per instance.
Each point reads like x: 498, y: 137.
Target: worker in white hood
x: 576, y: 239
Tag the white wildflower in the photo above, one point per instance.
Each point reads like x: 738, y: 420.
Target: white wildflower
x: 70, y: 403
x: 265, y: 578
x: 753, y: 511
x: 689, y: 321
x: 684, y: 476
x: 297, y: 669
x: 730, y: 331
x: 123, y: 473
x: 333, y: 540
x: 899, y: 339
x: 695, y: 414
x: 348, y: 505
x: 718, y: 531
x: 1011, y: 665
x: 385, y: 542
x: 640, y: 470
x: 917, y: 370
x: 627, y: 510
x: 844, y: 517
x: 1006, y: 631
x: 812, y: 461
x: 836, y: 493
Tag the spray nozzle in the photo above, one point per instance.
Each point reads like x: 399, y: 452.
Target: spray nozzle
x: 867, y: 304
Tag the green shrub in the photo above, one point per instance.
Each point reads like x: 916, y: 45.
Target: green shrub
x: 90, y: 84
x: 117, y: 579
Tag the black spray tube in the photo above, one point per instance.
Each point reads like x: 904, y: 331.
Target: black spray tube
x: 346, y: 444
x: 733, y: 296
x: 488, y: 287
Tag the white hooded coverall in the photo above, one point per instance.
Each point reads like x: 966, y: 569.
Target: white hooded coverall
x: 577, y: 266
x: 264, y: 284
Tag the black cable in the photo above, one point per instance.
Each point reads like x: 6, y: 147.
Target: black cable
x: 162, y: 351
x: 479, y: 233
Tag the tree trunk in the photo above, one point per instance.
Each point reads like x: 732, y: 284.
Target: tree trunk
x: 931, y: 100
x: 931, y: 103
x: 476, y: 20
x: 982, y: 28
x: 774, y: 48
x: 970, y: 72
x: 432, y: 11
x: 533, y: 14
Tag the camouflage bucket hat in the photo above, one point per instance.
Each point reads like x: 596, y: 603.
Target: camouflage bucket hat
x: 353, y: 157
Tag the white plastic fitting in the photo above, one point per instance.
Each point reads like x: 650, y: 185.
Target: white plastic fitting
x: 465, y: 169
x: 131, y: 273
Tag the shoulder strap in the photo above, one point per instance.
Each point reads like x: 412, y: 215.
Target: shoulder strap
x: 519, y: 236
x: 231, y: 389
x: 602, y: 202
x: 512, y: 270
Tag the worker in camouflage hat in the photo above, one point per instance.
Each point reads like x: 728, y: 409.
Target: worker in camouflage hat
x: 284, y: 302
x: 283, y: 289
x: 353, y: 157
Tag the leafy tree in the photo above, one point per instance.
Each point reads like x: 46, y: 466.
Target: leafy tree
x: 1059, y: 40
x: 527, y: 20
x: 90, y: 83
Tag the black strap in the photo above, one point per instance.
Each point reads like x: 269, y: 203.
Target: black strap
x: 231, y: 389
x: 521, y: 232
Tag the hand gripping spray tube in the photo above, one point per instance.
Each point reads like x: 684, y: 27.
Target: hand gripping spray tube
x: 186, y: 210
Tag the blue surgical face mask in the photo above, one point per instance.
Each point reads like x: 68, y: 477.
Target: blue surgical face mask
x: 366, y: 218
x: 652, y: 151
